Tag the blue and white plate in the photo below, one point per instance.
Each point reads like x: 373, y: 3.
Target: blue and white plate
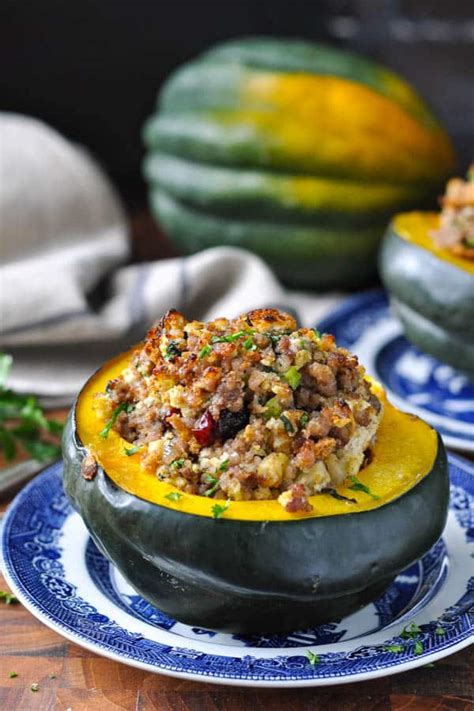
x: 414, y: 381
x: 57, y: 572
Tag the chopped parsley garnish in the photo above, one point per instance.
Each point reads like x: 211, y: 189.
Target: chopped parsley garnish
x: 173, y: 496
x: 8, y: 597
x: 410, y: 632
x: 394, y: 648
x: 205, y: 350
x: 287, y: 424
x: 312, y: 658
x: 214, y: 481
x: 249, y: 345
x: 218, y: 509
x: 34, y: 687
x: 316, y: 332
x: 23, y: 422
x: 418, y: 647
x: 336, y: 495
x: 357, y: 485
x: 123, y: 407
x: 12, y: 675
x: 172, y: 351
x: 272, y: 408
x: 304, y: 419
x: 223, y: 466
x: 132, y: 450
x: 177, y: 464
x: 440, y: 631
x: 292, y: 377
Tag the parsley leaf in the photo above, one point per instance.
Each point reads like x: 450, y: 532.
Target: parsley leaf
x: 8, y: 597
x: 312, y: 658
x: 394, y: 648
x: 440, y: 631
x: 29, y: 423
x: 123, y: 407
x: 177, y: 463
x: 173, y: 496
x: 12, y: 675
x: 34, y: 687
x: 292, y: 377
x: 205, y: 350
x: 218, y: 510
x: 304, y: 419
x: 357, y: 485
x: 223, y: 466
x: 132, y: 450
x: 418, y: 647
x: 272, y: 408
x: 209, y: 479
x: 410, y: 632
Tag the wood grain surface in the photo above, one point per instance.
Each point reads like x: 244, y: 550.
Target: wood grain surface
x: 69, y: 677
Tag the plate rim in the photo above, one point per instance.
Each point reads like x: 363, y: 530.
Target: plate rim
x: 44, y: 616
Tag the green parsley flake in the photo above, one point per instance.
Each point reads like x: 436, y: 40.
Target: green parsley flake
x: 357, y: 485
x: 8, y: 597
x: 272, y: 408
x: 123, y: 407
x: 34, y: 688
x: 12, y: 675
x: 304, y: 419
x: 132, y: 450
x: 440, y: 631
x: 410, y: 631
x: 292, y: 377
x: 312, y: 658
x: 177, y: 463
x: 173, y: 496
x: 418, y: 648
x: 205, y: 350
x: 214, y: 481
x: 223, y: 466
x: 218, y: 510
x: 394, y: 648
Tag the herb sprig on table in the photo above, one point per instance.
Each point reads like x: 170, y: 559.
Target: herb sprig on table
x: 23, y: 422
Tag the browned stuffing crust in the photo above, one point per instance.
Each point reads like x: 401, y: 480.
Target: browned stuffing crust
x: 456, y: 229
x: 252, y: 408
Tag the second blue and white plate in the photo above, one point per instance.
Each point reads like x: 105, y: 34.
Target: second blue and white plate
x: 52, y: 565
x: 414, y: 381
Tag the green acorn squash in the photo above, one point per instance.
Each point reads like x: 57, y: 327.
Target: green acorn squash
x: 258, y: 567
x: 431, y: 290
x: 297, y: 151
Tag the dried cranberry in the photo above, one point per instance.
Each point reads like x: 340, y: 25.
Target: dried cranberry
x: 229, y: 423
x: 205, y: 429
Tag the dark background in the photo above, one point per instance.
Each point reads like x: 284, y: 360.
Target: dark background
x: 92, y: 69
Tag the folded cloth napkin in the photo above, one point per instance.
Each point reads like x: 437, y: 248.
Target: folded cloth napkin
x: 68, y: 300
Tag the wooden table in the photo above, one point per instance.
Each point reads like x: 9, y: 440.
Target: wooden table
x: 70, y: 677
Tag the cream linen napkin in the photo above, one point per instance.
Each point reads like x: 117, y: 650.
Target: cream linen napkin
x: 68, y: 301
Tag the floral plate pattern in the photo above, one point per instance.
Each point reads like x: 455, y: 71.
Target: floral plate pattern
x: 56, y: 571
x: 414, y: 381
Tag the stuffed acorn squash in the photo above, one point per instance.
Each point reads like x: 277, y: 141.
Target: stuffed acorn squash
x: 246, y: 476
x: 427, y: 266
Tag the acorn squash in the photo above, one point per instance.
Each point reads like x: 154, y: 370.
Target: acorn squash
x: 297, y: 151
x: 431, y: 290
x: 257, y: 568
